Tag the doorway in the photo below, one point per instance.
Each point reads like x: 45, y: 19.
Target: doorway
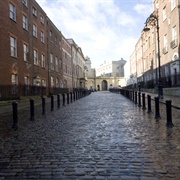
x: 104, y: 85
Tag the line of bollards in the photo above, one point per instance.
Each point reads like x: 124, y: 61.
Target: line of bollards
x: 137, y: 96
x: 73, y: 97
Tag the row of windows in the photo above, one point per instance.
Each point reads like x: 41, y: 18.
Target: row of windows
x: 55, y: 82
x: 55, y: 64
x: 13, y: 52
x: 14, y: 80
x: 12, y: 12
x: 173, y: 5
x: 165, y: 39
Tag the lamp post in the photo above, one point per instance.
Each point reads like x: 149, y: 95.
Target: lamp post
x: 153, y: 18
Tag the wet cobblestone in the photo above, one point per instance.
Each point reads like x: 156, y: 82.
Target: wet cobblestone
x: 101, y: 136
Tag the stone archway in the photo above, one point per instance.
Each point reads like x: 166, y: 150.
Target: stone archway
x: 104, y: 85
x: 98, y: 87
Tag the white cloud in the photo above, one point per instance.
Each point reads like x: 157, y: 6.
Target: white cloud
x: 101, y: 28
x: 144, y: 9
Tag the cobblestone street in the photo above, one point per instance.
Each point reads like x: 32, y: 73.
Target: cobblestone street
x: 101, y: 136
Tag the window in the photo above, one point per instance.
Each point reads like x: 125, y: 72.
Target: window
x: 173, y: 43
x: 26, y: 80
x: 52, y: 81
x: 173, y: 4
x: 174, y: 33
x: 50, y: 34
x: 55, y: 40
x: 12, y: 12
x: 43, y: 82
x: 13, y: 46
x: 57, y: 82
x: 51, y: 61
x: 57, y: 65
x: 25, y: 22
x: 42, y: 19
x: 35, y: 57
x: 24, y: 2
x: 165, y: 49
x: 34, y: 10
x: 42, y: 36
x: 164, y: 13
x: 14, y: 79
x: 25, y: 51
x: 60, y: 64
x: 34, y: 30
x: 42, y: 60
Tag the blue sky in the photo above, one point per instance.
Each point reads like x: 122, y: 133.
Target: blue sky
x: 105, y: 30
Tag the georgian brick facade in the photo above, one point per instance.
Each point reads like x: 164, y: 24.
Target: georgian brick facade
x: 146, y: 49
x: 33, y: 51
x: 23, y: 52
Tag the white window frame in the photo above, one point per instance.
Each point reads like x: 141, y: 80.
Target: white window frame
x: 35, y: 57
x: 34, y: 11
x: 42, y: 36
x: 52, y: 81
x: 24, y: 2
x: 57, y: 82
x: 173, y: 4
x: 13, y: 46
x: 174, y: 33
x: 50, y: 34
x: 12, y: 11
x: 26, y: 80
x: 57, y: 64
x: 43, y: 61
x: 42, y: 19
x: 25, y: 22
x: 35, y: 30
x: 25, y: 51
x: 51, y: 61
x: 164, y: 13
x: 14, y: 79
x: 43, y: 82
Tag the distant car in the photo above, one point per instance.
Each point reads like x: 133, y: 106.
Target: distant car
x: 114, y: 87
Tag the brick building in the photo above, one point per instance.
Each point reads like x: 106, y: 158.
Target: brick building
x: 54, y: 56
x: 33, y: 51
x: 23, y: 47
x: 167, y: 15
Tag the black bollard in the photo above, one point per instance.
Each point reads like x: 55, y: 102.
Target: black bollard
x: 63, y: 99
x: 71, y: 97
x: 43, y: 105
x: 169, y: 113
x: 149, y: 103
x: 135, y: 98
x: 15, y: 115
x: 67, y: 98
x: 74, y: 95
x: 157, y: 114
x: 52, y: 103
x: 139, y: 99
x: 58, y: 101
x: 31, y: 109
x: 143, y: 101
x: 132, y: 95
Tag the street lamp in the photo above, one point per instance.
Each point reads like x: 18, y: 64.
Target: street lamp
x: 152, y: 18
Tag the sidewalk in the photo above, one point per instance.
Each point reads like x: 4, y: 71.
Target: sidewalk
x: 175, y: 99
x: 103, y: 136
